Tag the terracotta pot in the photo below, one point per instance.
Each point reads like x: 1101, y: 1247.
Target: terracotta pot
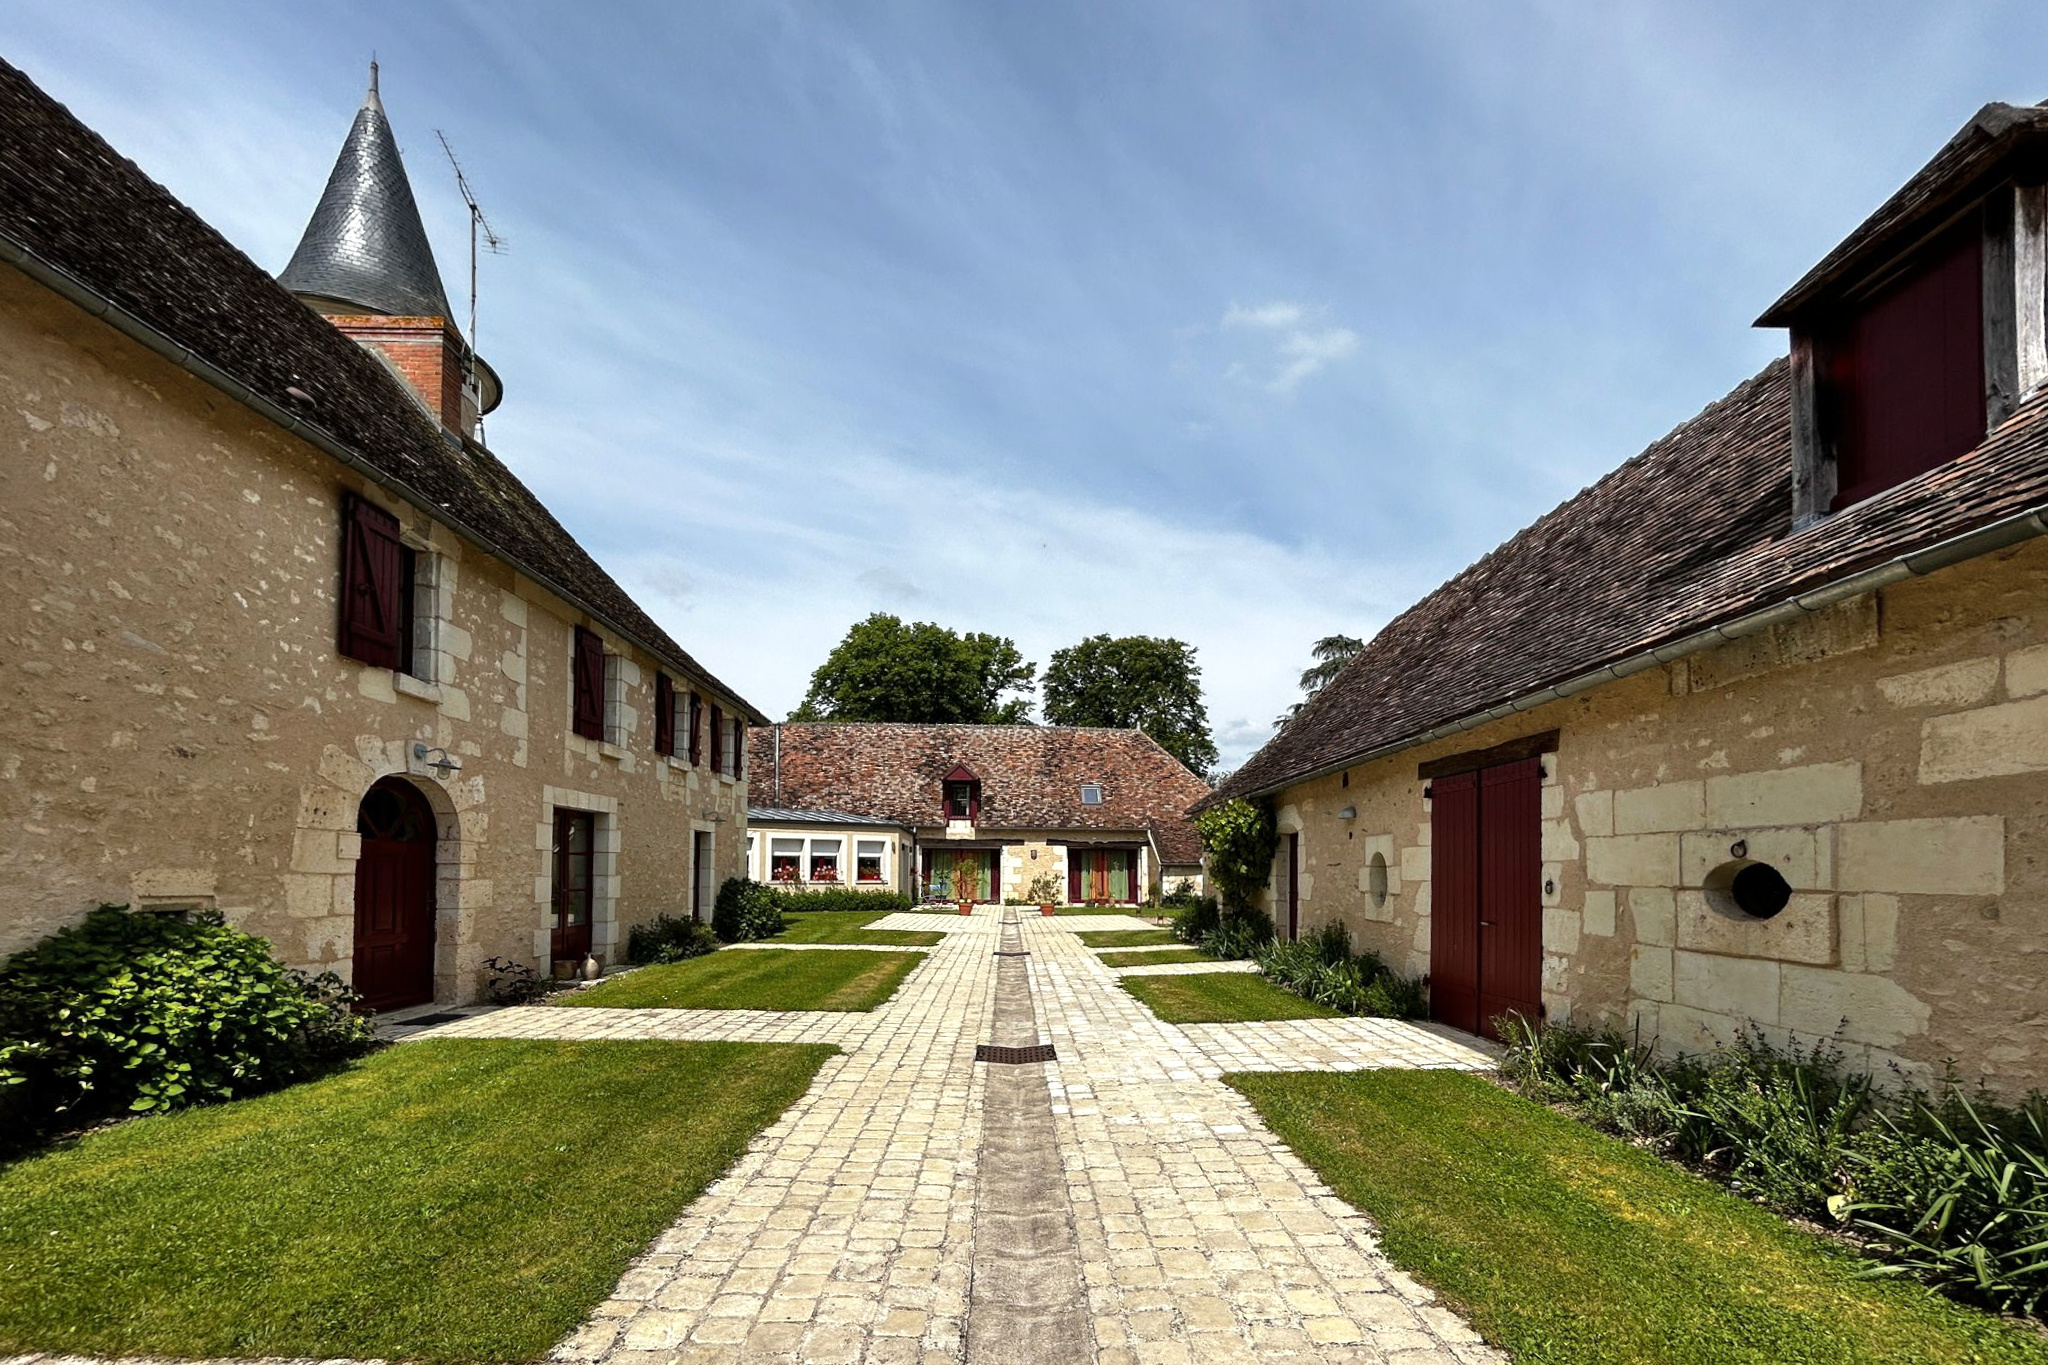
x: 966, y: 907
x: 1045, y: 910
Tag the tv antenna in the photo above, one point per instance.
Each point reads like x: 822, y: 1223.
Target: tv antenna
x: 482, y: 235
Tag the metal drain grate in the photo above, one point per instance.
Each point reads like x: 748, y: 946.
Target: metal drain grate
x: 1037, y: 1052
x: 1013, y: 952
x: 426, y: 1019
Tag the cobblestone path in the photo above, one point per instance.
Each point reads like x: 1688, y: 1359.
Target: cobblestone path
x: 848, y: 1233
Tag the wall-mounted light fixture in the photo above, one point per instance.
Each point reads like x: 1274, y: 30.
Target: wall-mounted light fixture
x: 1348, y: 813
x: 444, y: 765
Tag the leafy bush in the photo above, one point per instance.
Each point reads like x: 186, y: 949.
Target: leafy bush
x: 509, y: 982
x: 746, y: 911
x: 836, y: 898
x: 1240, y: 840
x: 1951, y: 1188
x: 669, y: 938
x: 1238, y: 935
x: 1197, y: 919
x: 147, y: 1013
x: 1322, y: 968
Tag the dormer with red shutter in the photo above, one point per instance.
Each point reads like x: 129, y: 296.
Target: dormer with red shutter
x: 1928, y: 325
x: 960, y: 799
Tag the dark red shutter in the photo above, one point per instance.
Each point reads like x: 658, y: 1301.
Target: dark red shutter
x: 664, y: 714
x: 372, y: 584
x: 589, y: 715
x: 1454, y: 900
x: 1074, y: 856
x: 717, y: 740
x: 739, y: 748
x: 696, y: 729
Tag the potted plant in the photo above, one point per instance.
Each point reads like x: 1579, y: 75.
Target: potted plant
x: 1044, y: 892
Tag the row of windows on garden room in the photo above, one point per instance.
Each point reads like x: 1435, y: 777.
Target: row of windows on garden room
x: 816, y: 861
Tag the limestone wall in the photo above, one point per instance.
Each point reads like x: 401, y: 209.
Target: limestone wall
x: 1889, y: 757
x: 177, y: 727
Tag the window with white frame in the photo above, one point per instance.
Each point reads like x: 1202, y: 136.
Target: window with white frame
x: 1091, y: 793
x: 824, y: 865
x: 785, y: 860
x: 870, y: 860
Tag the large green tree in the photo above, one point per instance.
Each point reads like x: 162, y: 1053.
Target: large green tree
x: 917, y: 672
x: 1133, y: 682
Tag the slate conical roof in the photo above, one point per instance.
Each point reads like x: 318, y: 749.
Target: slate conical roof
x: 365, y: 245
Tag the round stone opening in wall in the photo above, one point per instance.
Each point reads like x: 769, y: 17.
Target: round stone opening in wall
x: 1742, y: 889
x: 1376, y: 879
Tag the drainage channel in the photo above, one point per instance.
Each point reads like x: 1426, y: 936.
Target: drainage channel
x: 1025, y: 1303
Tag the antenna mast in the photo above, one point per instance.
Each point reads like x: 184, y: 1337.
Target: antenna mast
x: 479, y: 232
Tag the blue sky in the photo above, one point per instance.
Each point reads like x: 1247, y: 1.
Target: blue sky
x: 1244, y: 323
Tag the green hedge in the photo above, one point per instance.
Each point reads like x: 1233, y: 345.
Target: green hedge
x: 126, y: 1013
x: 836, y: 898
x: 669, y: 938
x: 746, y: 911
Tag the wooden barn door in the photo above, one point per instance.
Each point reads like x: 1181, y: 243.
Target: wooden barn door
x: 394, y: 942
x: 1510, y: 892
x: 1454, y: 900
x: 1486, y: 907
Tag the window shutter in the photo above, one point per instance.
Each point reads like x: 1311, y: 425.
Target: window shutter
x: 974, y: 804
x: 696, y: 730
x: 664, y: 714
x: 1074, y: 876
x: 739, y: 747
x: 717, y: 740
x: 589, y: 712
x: 372, y: 584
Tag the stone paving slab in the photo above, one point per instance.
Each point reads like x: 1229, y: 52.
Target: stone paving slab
x: 596, y: 1024
x: 1339, y: 1045
x: 1203, y: 1237
x: 1210, y: 968
x: 830, y: 947
x: 986, y: 919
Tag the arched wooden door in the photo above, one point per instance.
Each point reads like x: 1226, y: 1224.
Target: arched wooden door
x: 394, y: 962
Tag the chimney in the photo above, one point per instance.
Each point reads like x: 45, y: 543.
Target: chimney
x: 365, y: 264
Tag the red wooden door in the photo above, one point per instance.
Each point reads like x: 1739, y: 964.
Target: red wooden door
x: 1454, y: 900
x: 394, y: 945
x: 575, y: 839
x: 1510, y: 899
x: 1293, y: 887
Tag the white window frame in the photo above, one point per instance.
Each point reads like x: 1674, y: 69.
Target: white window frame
x: 828, y: 846
x: 881, y: 856
x: 1087, y: 787
x: 776, y: 850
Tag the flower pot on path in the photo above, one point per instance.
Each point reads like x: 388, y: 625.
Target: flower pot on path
x: 966, y: 907
x: 1045, y: 910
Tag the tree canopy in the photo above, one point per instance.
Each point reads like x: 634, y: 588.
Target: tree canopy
x: 919, y: 673
x: 1134, y: 682
x: 1331, y: 653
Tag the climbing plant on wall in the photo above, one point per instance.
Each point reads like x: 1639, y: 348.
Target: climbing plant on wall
x: 1240, y: 840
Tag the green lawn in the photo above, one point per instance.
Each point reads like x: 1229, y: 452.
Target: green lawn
x: 441, y: 1201
x: 1124, y: 938
x: 1098, y: 910
x: 849, y: 926
x: 1567, y: 1247
x: 757, y: 979
x: 1149, y: 959
x: 1221, y: 998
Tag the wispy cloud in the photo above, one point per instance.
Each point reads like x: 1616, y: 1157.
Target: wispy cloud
x: 1302, y: 345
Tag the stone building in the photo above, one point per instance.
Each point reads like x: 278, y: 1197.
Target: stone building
x: 973, y: 812
x: 1755, y: 728
x: 283, y: 637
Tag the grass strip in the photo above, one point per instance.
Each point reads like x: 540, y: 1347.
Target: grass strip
x: 1155, y: 959
x: 757, y: 979
x: 1567, y: 1247
x: 1098, y: 910
x: 849, y: 926
x: 1220, y: 998
x: 1124, y: 938
x: 441, y: 1201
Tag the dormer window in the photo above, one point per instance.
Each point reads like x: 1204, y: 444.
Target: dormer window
x: 961, y: 795
x: 1901, y: 372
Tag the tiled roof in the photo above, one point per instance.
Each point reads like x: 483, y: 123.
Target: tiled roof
x: 79, y: 208
x: 770, y: 815
x: 1031, y: 776
x: 1694, y: 532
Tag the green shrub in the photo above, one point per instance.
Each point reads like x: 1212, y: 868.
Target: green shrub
x: 745, y: 911
x: 1240, y: 934
x: 1240, y: 839
x: 125, y: 1013
x: 669, y: 938
x: 835, y: 898
x: 1197, y: 919
x: 1951, y: 1188
x: 1322, y: 968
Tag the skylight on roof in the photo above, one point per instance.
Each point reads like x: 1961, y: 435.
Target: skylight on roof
x: 1091, y: 794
